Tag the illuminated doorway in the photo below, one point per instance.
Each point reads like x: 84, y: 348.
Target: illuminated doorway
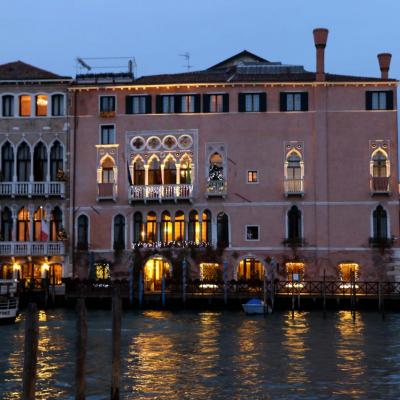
x: 250, y: 269
x: 154, y: 270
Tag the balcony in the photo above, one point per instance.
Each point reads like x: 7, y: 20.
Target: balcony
x: 294, y: 187
x: 216, y: 189
x: 106, y: 191
x: 32, y: 189
x: 379, y: 185
x: 160, y: 192
x: 32, y: 248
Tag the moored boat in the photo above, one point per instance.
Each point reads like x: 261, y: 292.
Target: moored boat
x: 8, y: 300
x: 256, y: 306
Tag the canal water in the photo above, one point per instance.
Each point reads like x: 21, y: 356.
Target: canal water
x: 214, y: 355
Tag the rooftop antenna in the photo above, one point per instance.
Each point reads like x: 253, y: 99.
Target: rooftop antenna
x: 83, y: 63
x: 186, y: 56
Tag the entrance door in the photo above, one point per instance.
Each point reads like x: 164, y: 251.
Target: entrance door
x: 154, y: 270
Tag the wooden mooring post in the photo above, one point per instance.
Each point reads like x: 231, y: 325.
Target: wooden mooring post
x: 184, y: 268
x: 81, y: 348
x: 116, y: 343
x: 293, y: 299
x: 30, y: 353
x: 324, y: 296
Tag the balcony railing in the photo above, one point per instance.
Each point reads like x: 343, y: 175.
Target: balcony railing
x: 160, y: 192
x: 32, y: 248
x: 106, y: 191
x: 294, y: 187
x: 216, y: 188
x: 379, y: 185
x: 30, y: 189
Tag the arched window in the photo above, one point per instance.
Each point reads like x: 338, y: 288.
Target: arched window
x: 166, y: 227
x: 107, y: 171
x: 6, y: 225
x: 7, y: 162
x: 154, y: 174
x: 56, y: 160
x: 138, y: 229
x: 83, y: 232
x: 216, y: 169
x: 379, y: 165
x: 40, y: 227
x: 169, y: 172
x: 151, y: 227
x: 293, y: 166
x: 55, y: 223
x: 222, y: 230
x: 138, y: 173
x: 185, y: 171
x: 380, y: 224
x: 23, y: 163
x: 57, y: 105
x: 23, y: 224
x: 206, y: 227
x: 294, y: 224
x: 119, y: 232
x: 194, y: 227
x: 40, y: 163
x: 179, y: 226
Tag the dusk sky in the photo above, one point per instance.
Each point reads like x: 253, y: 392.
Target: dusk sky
x: 51, y: 34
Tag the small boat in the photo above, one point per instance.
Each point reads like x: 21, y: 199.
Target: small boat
x: 8, y: 301
x: 256, y: 306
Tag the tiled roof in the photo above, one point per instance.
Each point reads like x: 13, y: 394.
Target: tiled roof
x: 20, y: 71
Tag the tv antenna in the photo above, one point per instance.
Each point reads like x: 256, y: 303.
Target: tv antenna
x: 186, y: 56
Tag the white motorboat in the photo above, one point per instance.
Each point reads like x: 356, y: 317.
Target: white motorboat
x: 256, y: 306
x: 8, y: 300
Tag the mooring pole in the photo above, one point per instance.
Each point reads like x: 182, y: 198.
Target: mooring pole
x: 81, y: 343
x: 131, y: 282
x: 225, y: 265
x: 353, y: 294
x: 184, y: 267
x: 292, y: 297
x: 30, y: 353
x: 163, y: 290
x: 324, y: 295
x: 379, y: 296
x: 116, y: 343
x: 140, y: 288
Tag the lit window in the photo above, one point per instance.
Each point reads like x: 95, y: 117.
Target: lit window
x: 107, y: 134
x: 348, y: 271
x: 252, y: 176
x: 252, y: 232
x: 102, y: 271
x: 295, y: 271
x: 25, y: 106
x: 41, y: 105
x: 107, y: 104
x: 250, y: 269
x: 216, y: 103
x: 210, y: 272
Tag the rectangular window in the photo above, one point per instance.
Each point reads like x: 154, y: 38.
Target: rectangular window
x: 107, y: 104
x: 252, y: 102
x: 41, y: 105
x: 188, y: 104
x: 8, y: 106
x: 138, y: 104
x: 107, y: 134
x: 294, y: 101
x: 252, y: 176
x: 24, y: 106
x: 216, y: 103
x: 57, y: 105
x: 379, y: 100
x: 168, y: 104
x: 252, y: 232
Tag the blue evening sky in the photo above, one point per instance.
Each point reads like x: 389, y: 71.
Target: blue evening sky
x: 52, y: 33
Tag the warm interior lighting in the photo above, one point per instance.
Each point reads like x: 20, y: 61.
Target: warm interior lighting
x: 295, y: 271
x: 16, y: 267
x: 25, y: 106
x: 209, y: 271
x: 45, y: 267
x: 346, y: 270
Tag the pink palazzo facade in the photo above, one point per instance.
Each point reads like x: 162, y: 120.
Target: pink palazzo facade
x: 266, y: 160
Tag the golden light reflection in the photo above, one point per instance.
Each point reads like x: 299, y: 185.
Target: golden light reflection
x: 295, y: 332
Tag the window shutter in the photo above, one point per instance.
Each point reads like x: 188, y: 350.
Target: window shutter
x: 159, y: 101
x: 283, y: 102
x: 128, y: 104
x: 197, y: 99
x: 263, y: 102
x: 225, y: 102
x: 389, y: 100
x: 368, y: 100
x: 304, y: 101
x: 148, y: 104
x: 178, y: 103
x: 242, y: 102
x: 206, y: 103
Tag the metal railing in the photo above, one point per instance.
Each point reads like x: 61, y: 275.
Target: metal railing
x: 32, y: 248
x: 161, y: 192
x: 216, y: 188
x: 29, y: 189
x: 294, y: 187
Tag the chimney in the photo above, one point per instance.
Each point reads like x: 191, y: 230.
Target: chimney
x: 320, y: 38
x: 384, y: 64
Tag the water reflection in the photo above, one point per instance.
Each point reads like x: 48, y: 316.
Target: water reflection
x: 350, y: 354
